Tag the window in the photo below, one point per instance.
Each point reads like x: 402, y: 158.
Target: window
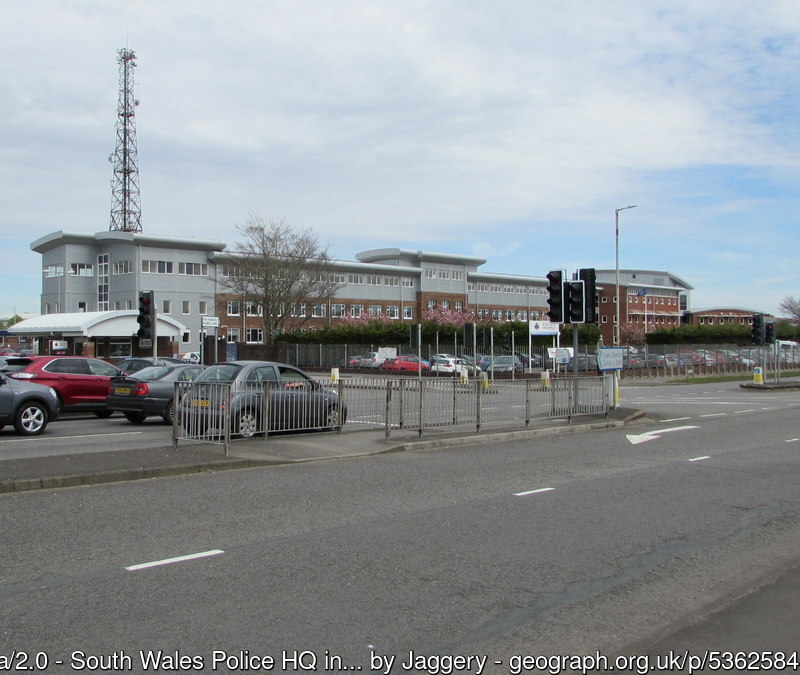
x: 233, y: 308
x: 391, y: 281
x: 430, y: 274
x: 509, y: 315
x: 355, y: 278
x: 444, y: 274
x: 195, y: 269
x: 337, y: 310
x: 374, y: 280
x: 458, y: 275
x: 233, y: 335
x: 431, y: 304
x: 81, y: 270
x: 393, y: 312
x: 102, y: 282
x: 81, y: 306
x: 203, y: 307
x: 122, y: 267
x: 408, y: 312
x: 408, y: 282
x: 497, y: 314
x: 186, y: 337
x: 166, y: 306
x: 186, y: 307
x: 339, y: 278
x: 157, y: 266
x: 356, y: 310
x: 254, y: 335
x: 298, y: 309
x: 52, y: 271
x: 375, y: 310
x: 318, y: 310
x: 483, y: 313
x: 445, y: 304
x: 252, y: 309
x: 459, y: 306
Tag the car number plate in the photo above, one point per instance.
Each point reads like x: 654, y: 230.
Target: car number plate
x: 200, y: 402
x: 122, y: 390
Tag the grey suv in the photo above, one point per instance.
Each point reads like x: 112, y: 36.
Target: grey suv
x: 295, y: 400
x: 29, y: 407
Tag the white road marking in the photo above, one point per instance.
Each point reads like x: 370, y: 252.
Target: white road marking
x: 714, y: 415
x: 676, y: 419
x: 533, y: 492
x: 699, y: 459
x: 635, y: 439
x: 792, y: 440
x: 170, y: 561
x: 739, y: 412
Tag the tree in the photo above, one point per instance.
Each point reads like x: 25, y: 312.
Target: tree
x: 281, y: 271
x: 791, y: 308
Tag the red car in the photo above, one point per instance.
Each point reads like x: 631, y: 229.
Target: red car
x: 411, y: 363
x: 81, y: 382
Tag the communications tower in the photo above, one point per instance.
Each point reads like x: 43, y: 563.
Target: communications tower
x: 126, y: 212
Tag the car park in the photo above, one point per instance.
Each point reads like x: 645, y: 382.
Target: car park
x: 26, y: 405
x: 136, y: 363
x: 150, y: 391
x: 81, y: 382
x: 296, y: 401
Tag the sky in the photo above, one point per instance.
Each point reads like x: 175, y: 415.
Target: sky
x: 510, y: 129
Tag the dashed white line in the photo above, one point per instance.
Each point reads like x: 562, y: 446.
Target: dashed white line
x: 700, y: 459
x: 170, y: 561
x: 792, y: 440
x: 714, y: 415
x: 533, y: 492
x: 739, y: 412
x: 676, y: 419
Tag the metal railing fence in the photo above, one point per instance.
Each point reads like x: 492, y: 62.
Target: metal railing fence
x: 216, y: 412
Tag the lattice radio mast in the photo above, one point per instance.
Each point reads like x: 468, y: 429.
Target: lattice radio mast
x: 126, y: 212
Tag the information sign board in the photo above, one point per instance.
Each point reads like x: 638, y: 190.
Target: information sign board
x: 610, y: 358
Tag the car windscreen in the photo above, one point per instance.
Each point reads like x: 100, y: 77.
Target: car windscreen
x: 152, y: 373
x: 225, y: 372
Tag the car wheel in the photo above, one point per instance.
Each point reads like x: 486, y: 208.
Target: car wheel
x: 169, y: 413
x: 31, y: 419
x: 102, y: 414
x: 332, y: 420
x: 135, y: 418
x: 245, y: 424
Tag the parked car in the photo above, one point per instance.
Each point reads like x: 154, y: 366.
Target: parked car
x: 191, y: 357
x: 371, y: 360
x: 81, y: 382
x: 405, y: 362
x: 150, y: 391
x: 504, y: 364
x: 7, y: 351
x: 136, y: 363
x: 447, y: 364
x: 352, y: 361
x: 26, y: 405
x: 296, y: 401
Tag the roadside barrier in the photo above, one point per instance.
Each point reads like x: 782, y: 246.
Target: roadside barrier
x: 213, y: 412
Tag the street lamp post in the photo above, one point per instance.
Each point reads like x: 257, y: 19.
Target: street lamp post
x: 616, y: 242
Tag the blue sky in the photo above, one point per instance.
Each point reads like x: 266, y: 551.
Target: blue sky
x: 510, y: 130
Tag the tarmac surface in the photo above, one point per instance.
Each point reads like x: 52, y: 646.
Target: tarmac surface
x: 765, y: 616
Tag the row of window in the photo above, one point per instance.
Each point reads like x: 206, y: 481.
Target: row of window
x: 125, y: 267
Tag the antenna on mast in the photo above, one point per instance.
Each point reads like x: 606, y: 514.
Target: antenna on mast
x: 126, y: 212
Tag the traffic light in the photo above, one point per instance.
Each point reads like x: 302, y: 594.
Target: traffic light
x: 769, y: 333
x: 575, y: 307
x: 555, y: 289
x: 147, y: 315
x: 589, y: 278
x: 469, y: 338
x: 757, y: 329
x: 414, y: 335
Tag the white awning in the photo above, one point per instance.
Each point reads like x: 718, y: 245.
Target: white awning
x: 117, y: 323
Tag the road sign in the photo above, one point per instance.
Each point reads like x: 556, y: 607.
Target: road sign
x: 210, y: 321
x: 543, y: 327
x: 610, y: 358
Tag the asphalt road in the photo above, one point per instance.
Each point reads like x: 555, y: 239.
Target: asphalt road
x: 564, y: 545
